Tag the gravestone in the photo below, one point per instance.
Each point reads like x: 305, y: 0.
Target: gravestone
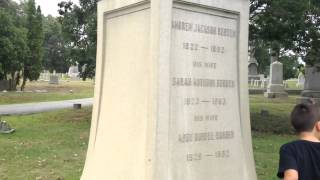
x: 54, y: 79
x: 252, y: 63
x: 4, y: 85
x: 253, y: 69
x: 301, y: 80
x: 171, y: 97
x: 5, y: 128
x: 73, y: 72
x: 276, y: 87
x: 312, y: 84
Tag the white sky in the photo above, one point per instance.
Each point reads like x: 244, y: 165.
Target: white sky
x: 49, y: 6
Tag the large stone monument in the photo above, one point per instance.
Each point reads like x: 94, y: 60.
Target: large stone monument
x: 171, y: 96
x: 312, y: 85
x: 276, y: 87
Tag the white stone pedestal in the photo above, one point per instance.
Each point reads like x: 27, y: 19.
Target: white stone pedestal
x: 171, y: 96
x: 276, y: 87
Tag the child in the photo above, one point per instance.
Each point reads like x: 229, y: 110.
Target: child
x: 300, y: 159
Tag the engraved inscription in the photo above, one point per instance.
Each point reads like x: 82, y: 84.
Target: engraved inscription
x: 198, y: 82
x: 204, y: 118
x: 204, y: 29
x: 205, y: 136
x: 210, y: 117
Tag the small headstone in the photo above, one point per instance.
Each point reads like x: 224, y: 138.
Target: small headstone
x: 76, y: 106
x: 41, y: 91
x: 54, y: 79
x: 5, y: 128
x: 264, y: 113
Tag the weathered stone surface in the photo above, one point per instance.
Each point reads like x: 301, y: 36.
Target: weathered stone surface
x: 312, y: 84
x: 54, y: 79
x: 4, y: 85
x: 171, y: 92
x: 276, y: 87
x: 5, y: 128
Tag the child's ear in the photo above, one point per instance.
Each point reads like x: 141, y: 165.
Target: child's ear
x: 318, y: 126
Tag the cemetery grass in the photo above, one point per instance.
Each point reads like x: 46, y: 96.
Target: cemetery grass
x: 266, y: 153
x: 53, y: 145
x: 63, y: 91
x: 269, y: 132
x: 45, y: 146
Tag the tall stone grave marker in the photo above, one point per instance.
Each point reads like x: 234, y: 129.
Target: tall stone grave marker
x: 276, y: 87
x: 171, y: 97
x: 312, y: 85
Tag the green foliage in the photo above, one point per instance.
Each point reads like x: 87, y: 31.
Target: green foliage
x: 287, y: 25
x: 290, y: 66
x: 79, y: 26
x: 12, y: 43
x: 54, y: 50
x: 266, y: 148
x: 279, y: 22
x: 33, y: 63
x: 277, y: 121
x: 263, y: 57
x: 80, y: 89
x: 47, y: 146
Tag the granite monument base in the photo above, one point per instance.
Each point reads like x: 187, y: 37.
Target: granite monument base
x: 276, y: 91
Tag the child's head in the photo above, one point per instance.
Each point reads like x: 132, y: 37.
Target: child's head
x: 306, y: 118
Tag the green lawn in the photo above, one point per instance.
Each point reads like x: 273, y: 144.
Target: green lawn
x: 270, y: 132
x: 63, y: 91
x: 53, y: 145
x: 47, y: 146
x: 278, y: 119
x: 266, y: 153
x: 293, y: 85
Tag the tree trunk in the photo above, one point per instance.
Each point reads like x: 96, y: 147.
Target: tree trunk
x: 13, y: 82
x: 23, y: 83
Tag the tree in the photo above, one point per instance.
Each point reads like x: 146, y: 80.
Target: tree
x: 79, y: 26
x: 54, y: 50
x: 287, y: 25
x: 33, y: 63
x: 290, y: 66
x: 278, y: 23
x: 12, y: 43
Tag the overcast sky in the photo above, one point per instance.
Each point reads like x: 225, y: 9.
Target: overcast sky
x: 49, y: 6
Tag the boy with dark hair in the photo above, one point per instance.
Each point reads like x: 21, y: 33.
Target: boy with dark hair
x: 300, y: 159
